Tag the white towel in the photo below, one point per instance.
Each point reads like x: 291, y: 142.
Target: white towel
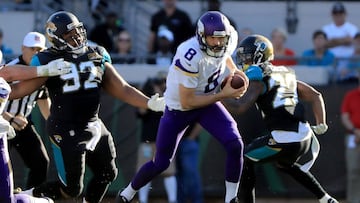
x: 95, y: 128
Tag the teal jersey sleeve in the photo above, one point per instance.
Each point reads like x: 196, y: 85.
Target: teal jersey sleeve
x: 254, y: 73
x: 105, y: 54
x: 35, y: 61
x: 106, y: 57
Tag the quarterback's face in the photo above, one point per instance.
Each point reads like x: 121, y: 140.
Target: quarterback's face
x: 216, y: 43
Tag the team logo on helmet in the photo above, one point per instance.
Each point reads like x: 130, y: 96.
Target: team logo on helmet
x: 261, y: 46
x: 50, y: 28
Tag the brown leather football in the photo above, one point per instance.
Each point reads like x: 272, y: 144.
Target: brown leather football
x: 236, y: 82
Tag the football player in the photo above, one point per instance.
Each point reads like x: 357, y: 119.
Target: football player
x: 77, y: 134
x: 193, y: 96
x: 277, y: 92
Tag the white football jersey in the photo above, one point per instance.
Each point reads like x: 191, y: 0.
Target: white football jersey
x: 4, y: 95
x: 193, y: 68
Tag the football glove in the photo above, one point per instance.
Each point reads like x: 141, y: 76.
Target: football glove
x: 11, y: 133
x: 156, y: 103
x: 6, y: 127
x: 53, y: 68
x: 319, y: 129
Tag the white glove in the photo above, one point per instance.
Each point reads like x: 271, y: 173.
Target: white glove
x: 6, y: 127
x: 53, y: 68
x: 319, y: 129
x: 11, y: 133
x: 156, y: 103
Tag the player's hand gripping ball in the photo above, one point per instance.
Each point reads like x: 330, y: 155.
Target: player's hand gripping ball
x: 237, y: 81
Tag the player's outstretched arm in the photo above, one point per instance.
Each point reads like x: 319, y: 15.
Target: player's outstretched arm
x: 314, y: 97
x: 116, y: 86
x: 242, y: 104
x: 309, y: 94
x: 26, y: 87
x: 23, y: 72
x: 17, y: 72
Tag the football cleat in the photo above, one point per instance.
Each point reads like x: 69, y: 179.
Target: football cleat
x: 48, y: 199
x: 235, y: 200
x: 332, y: 200
x: 27, y: 192
x: 121, y: 199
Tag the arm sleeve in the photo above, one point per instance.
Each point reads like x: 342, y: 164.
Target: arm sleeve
x: 35, y: 61
x: 254, y: 73
x: 106, y: 56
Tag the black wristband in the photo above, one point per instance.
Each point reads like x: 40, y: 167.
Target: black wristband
x: 11, y: 120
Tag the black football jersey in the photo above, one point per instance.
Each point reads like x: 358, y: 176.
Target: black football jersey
x: 75, y: 96
x: 279, y: 102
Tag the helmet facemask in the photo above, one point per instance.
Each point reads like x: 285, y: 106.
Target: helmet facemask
x: 216, y: 50
x: 243, y: 60
x: 76, y: 39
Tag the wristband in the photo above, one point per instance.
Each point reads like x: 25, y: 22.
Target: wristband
x: 11, y: 120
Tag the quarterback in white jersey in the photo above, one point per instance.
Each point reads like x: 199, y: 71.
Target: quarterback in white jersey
x: 193, y: 68
x: 193, y: 96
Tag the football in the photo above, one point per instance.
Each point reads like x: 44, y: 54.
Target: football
x: 236, y: 82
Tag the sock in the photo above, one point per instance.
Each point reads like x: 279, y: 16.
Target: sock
x: 231, y: 190
x: 171, y: 188
x: 42, y: 200
x: 144, y: 193
x: 128, y: 192
x: 325, y: 198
